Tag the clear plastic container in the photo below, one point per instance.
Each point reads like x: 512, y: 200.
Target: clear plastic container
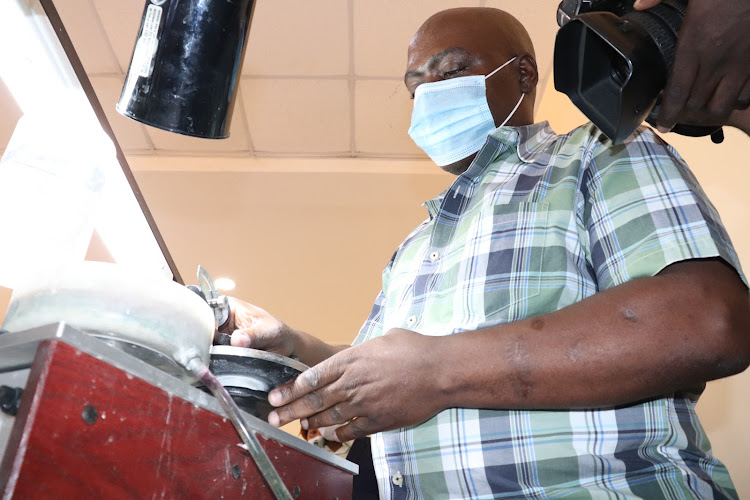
x: 51, y: 178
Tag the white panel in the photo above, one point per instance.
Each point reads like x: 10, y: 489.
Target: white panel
x: 121, y: 21
x: 298, y: 37
x: 236, y: 142
x: 87, y: 34
x: 383, y: 29
x: 383, y: 113
x: 129, y: 133
x: 9, y: 115
x: 298, y: 116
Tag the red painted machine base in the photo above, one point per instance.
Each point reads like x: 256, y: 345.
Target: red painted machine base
x: 86, y: 429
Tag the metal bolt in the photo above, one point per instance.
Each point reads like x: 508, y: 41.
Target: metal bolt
x: 89, y: 414
x: 236, y: 471
x: 296, y: 492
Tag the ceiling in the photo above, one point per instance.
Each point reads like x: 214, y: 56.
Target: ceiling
x: 320, y: 79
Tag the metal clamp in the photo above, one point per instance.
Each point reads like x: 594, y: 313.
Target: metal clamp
x: 219, y: 303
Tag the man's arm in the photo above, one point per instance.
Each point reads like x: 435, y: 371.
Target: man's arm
x: 644, y: 338
x: 254, y: 327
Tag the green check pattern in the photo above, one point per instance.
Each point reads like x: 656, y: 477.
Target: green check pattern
x: 539, y: 222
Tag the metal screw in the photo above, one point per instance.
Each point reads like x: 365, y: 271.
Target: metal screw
x: 296, y: 492
x: 236, y: 471
x: 89, y: 414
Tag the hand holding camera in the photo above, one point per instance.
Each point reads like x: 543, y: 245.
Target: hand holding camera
x: 711, y: 73
x: 622, y: 62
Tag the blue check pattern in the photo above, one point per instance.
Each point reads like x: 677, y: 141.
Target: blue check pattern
x: 539, y: 222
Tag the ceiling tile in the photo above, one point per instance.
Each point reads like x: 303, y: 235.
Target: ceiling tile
x: 122, y: 20
x: 237, y: 140
x: 88, y: 36
x: 130, y: 134
x: 298, y: 115
x: 383, y: 29
x: 298, y: 37
x: 382, y: 117
x: 9, y: 115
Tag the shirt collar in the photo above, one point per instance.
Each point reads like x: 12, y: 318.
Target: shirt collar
x: 532, y: 142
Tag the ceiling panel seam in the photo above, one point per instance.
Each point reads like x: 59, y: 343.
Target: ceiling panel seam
x: 110, y: 49
x: 295, y: 77
x: 240, y: 104
x: 268, y: 155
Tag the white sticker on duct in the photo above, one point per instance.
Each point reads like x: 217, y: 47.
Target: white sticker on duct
x: 148, y: 41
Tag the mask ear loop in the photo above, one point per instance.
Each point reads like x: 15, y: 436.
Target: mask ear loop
x: 514, y: 110
x: 522, y: 94
x: 501, y: 67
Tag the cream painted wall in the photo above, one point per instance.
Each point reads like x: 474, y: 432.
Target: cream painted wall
x: 724, y: 172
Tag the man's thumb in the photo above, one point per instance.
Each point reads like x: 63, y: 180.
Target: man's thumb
x: 645, y: 4
x: 242, y: 338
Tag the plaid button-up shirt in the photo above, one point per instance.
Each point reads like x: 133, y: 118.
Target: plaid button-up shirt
x: 539, y: 222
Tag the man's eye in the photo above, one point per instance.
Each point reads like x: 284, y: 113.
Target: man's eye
x: 453, y: 72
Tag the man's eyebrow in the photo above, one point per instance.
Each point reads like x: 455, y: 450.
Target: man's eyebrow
x: 434, y: 60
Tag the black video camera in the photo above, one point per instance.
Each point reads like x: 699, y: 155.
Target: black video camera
x: 613, y: 62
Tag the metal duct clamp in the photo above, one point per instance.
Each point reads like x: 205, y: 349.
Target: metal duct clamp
x: 219, y: 303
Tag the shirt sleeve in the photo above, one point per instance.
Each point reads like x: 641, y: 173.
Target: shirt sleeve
x: 373, y: 326
x: 644, y: 210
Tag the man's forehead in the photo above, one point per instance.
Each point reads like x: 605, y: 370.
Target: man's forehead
x: 450, y: 51
x: 447, y: 35
x: 418, y: 66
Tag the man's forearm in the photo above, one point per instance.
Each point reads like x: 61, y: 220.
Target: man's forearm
x: 311, y: 350
x: 642, y: 339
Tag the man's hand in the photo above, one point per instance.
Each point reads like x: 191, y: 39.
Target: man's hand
x: 254, y: 327
x: 389, y: 382
x: 711, y: 73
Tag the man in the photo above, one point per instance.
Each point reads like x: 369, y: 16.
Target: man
x: 546, y: 331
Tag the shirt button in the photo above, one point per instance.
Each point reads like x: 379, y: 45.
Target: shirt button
x: 411, y: 320
x: 434, y: 256
x: 398, y: 479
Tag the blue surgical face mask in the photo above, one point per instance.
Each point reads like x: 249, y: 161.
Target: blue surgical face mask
x: 451, y: 118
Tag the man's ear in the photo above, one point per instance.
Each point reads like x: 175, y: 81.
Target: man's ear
x: 528, y: 76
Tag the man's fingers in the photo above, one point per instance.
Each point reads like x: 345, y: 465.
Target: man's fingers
x: 676, y: 93
x: 306, y: 395
x: 254, y: 338
x: 337, y: 414
x: 241, y: 338
x: 317, y: 377
x: 724, y: 100
x: 645, y: 4
x: 743, y: 100
x: 358, y: 428
x: 307, y: 405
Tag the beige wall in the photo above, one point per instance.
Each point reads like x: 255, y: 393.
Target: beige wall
x: 724, y: 172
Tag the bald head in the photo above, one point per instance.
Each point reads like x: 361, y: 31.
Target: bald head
x: 483, y: 28
x: 476, y: 41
